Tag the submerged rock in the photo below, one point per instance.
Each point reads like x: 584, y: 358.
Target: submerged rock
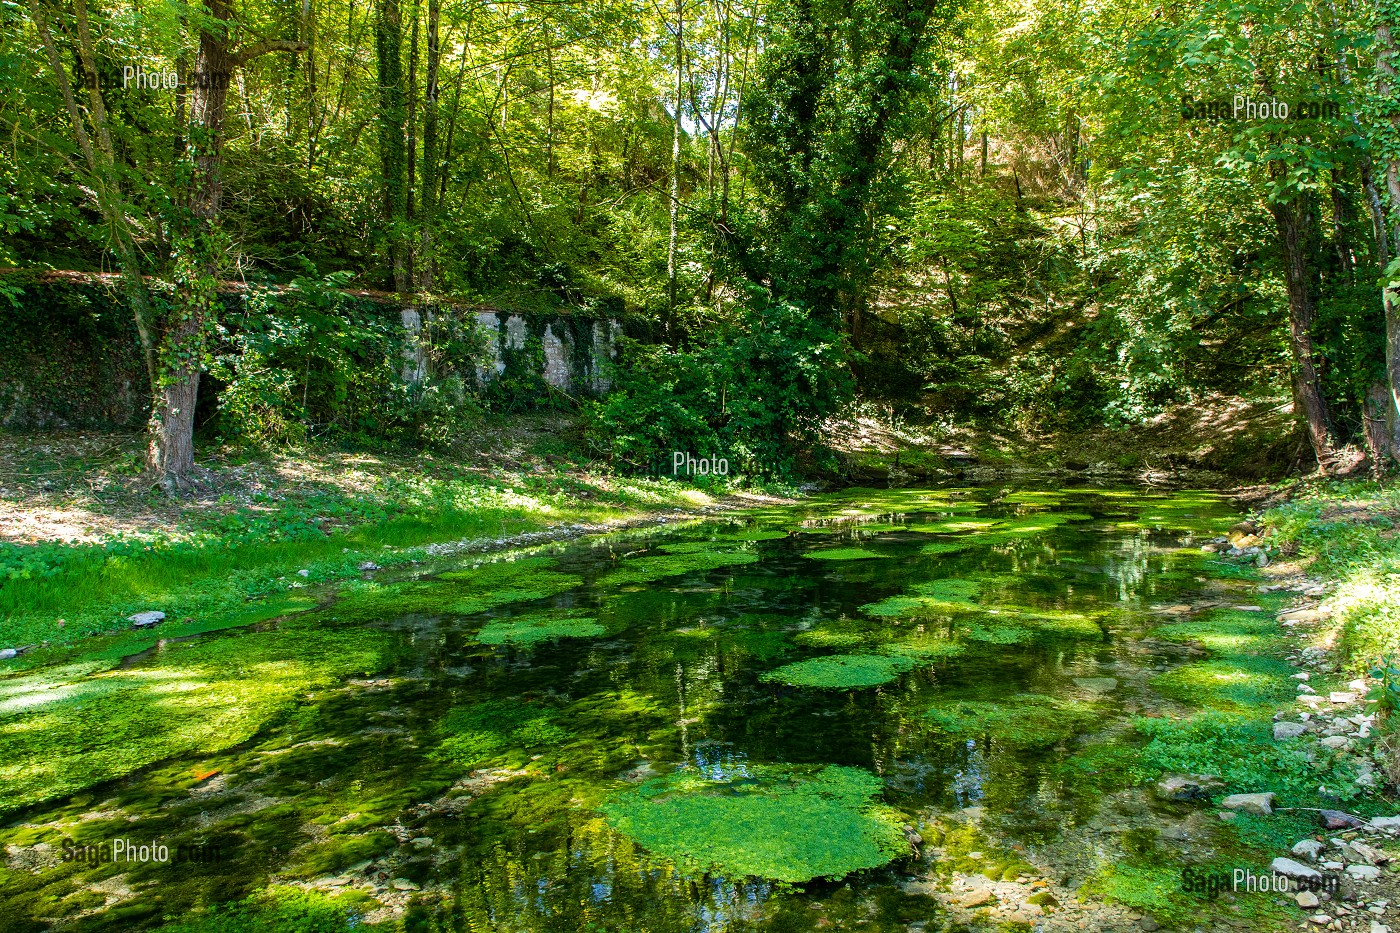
x: 1187, y: 786
x: 1097, y: 684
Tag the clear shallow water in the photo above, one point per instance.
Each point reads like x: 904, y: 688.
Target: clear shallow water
x: 501, y: 756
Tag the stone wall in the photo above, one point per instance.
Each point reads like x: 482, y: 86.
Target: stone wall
x: 70, y: 356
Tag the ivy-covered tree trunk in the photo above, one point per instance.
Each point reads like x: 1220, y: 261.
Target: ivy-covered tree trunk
x: 182, y: 351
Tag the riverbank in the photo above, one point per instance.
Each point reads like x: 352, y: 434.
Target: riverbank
x: 84, y: 546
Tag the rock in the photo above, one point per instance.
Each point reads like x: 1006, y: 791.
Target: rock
x: 1364, y: 872
x: 1309, y: 700
x: 1187, y: 786
x: 368, y: 565
x: 422, y: 842
x: 1288, y: 730
x: 7, y: 653
x: 1262, y: 804
x: 1306, y: 899
x: 1342, y: 696
x: 1369, y: 854
x: 403, y: 884
x: 1147, y: 923
x: 978, y: 898
x: 1332, y: 866
x: 1320, y: 919
x: 1302, y: 676
x: 1379, y: 927
x: 1295, y: 870
x: 1097, y: 684
x: 1308, y: 848
x: 1385, y: 822
x: 303, y: 573
x: 1304, y: 688
x: 146, y: 619
x: 1336, y: 819
x: 1336, y: 741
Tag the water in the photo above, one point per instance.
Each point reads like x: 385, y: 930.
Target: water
x: 478, y: 776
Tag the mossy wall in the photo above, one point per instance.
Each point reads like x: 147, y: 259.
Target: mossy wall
x: 70, y: 356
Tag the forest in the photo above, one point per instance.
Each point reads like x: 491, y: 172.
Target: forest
x: 699, y: 465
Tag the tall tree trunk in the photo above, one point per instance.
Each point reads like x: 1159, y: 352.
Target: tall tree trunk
x: 1295, y: 220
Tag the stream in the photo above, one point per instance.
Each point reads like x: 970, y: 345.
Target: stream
x: 749, y: 723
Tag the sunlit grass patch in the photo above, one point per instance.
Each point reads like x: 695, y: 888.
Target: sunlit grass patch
x: 1239, y: 683
x: 784, y: 823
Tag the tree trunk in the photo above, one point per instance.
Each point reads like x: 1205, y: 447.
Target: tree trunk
x: 1390, y: 126
x: 1295, y: 219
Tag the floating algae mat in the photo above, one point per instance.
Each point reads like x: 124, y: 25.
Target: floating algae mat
x: 677, y: 729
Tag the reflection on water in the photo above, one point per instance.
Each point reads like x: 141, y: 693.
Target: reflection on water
x: 332, y: 796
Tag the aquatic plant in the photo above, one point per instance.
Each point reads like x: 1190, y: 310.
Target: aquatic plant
x: 67, y: 730
x: 538, y: 627
x: 842, y: 553
x: 781, y: 822
x: 841, y: 671
x: 1021, y: 719
x: 660, y: 566
x: 480, y: 732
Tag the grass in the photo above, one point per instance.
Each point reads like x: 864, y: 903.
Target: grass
x: 1346, y: 533
x: 58, y: 593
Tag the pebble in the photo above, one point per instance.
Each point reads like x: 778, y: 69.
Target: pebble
x: 1336, y: 741
x: 403, y: 884
x: 977, y: 898
x: 1342, y: 697
x: 303, y: 573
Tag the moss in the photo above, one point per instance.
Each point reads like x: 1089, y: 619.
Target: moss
x: 282, y: 910
x: 538, y: 627
x: 457, y: 592
x: 841, y: 671
x: 948, y: 547
x: 785, y: 823
x: 845, y: 553
x: 1023, y: 719
x: 1239, y: 683
x: 659, y: 567
x: 483, y: 732
x: 1155, y: 889
x: 63, y: 733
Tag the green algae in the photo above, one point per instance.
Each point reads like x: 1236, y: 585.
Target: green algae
x: 947, y: 547
x: 957, y: 525
x: 844, y: 553
x: 487, y: 731
x: 456, y: 592
x: 537, y: 627
x: 64, y: 733
x: 779, y: 822
x: 950, y: 595
x: 1023, y: 719
x: 841, y: 671
x: 661, y: 566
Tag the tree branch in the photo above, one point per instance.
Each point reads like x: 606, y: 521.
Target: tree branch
x: 243, y: 56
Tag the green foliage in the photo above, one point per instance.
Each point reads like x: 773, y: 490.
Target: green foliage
x: 757, y: 395
x: 1236, y: 748
x: 841, y: 671
x: 781, y: 822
